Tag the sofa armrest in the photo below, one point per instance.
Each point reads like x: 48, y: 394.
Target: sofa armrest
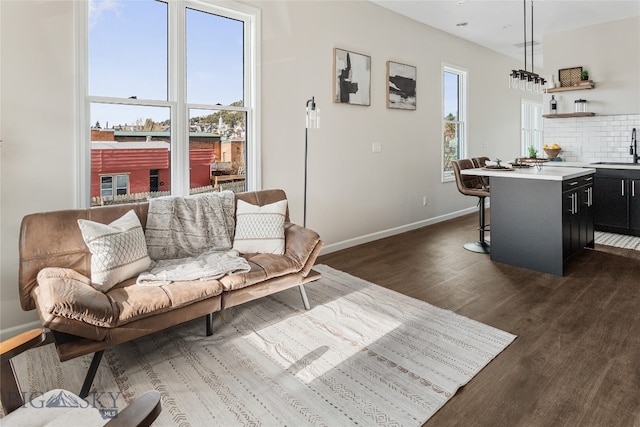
x: 14, y: 346
x: 301, y: 245
x: 139, y: 413
x: 10, y: 394
x: 66, y: 293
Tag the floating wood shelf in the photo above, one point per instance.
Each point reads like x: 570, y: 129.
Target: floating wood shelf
x: 565, y: 115
x: 581, y: 86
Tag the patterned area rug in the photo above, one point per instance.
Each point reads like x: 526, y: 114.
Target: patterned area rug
x: 617, y: 240
x: 363, y: 355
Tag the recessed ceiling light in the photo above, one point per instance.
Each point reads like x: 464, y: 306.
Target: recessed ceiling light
x: 462, y: 24
x: 462, y: 1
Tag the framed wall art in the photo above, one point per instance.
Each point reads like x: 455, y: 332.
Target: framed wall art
x: 401, y: 86
x: 351, y: 78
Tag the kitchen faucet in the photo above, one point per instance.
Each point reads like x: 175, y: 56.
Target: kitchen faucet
x: 633, y: 149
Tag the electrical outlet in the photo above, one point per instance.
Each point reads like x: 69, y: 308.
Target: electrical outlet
x: 376, y: 147
x: 424, y: 200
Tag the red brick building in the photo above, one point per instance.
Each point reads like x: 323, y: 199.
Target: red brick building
x: 125, y: 162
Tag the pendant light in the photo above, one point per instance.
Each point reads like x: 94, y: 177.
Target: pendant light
x: 526, y: 80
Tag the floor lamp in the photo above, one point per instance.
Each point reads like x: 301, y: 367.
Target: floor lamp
x: 312, y: 121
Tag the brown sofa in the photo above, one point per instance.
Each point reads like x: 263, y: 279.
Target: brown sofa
x: 55, y: 266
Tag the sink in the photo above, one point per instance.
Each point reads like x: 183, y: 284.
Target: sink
x: 636, y: 165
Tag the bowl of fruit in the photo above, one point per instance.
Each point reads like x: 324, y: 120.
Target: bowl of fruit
x: 552, y: 150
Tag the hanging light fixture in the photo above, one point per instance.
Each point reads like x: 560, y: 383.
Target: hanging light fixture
x: 526, y: 80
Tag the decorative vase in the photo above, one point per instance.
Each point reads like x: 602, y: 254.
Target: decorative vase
x: 551, y: 83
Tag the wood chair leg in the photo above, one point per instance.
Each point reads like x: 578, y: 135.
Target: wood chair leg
x: 91, y: 373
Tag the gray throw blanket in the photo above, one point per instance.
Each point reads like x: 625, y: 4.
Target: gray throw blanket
x: 181, y: 227
x: 207, y: 266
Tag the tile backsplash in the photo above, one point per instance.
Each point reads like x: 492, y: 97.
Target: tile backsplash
x: 593, y: 139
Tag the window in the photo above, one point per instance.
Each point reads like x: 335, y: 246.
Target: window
x: 454, y: 117
x: 169, y: 88
x: 531, y: 127
x: 113, y: 185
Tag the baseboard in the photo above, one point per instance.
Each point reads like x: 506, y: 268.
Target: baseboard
x: 15, y: 330
x: 345, y: 244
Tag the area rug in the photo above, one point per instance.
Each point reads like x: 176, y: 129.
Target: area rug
x: 617, y: 240
x: 363, y: 355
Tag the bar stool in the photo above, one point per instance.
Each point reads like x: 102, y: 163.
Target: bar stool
x: 471, y: 185
x: 480, y: 162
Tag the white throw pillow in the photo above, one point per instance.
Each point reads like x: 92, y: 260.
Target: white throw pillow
x: 260, y: 229
x: 118, y: 250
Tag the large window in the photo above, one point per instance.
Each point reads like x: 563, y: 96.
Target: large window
x: 454, y: 118
x: 531, y: 127
x: 169, y: 95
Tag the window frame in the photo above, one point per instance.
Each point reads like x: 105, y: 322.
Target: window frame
x: 463, y: 74
x: 114, y: 185
x: 179, y: 107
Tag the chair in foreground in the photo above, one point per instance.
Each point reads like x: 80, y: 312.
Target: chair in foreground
x: 62, y: 407
x: 471, y: 185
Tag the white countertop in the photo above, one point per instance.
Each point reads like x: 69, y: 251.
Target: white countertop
x: 621, y: 165
x: 555, y: 173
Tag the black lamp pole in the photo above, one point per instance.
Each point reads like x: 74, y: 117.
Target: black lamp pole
x: 310, y: 106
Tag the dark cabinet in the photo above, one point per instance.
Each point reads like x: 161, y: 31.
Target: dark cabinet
x: 577, y: 215
x: 617, y: 200
x: 540, y: 222
x: 611, y: 202
x: 634, y: 204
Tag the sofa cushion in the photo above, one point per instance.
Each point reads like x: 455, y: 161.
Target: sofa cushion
x: 118, y: 250
x: 260, y: 229
x: 63, y: 292
x: 66, y: 293
x: 134, y: 302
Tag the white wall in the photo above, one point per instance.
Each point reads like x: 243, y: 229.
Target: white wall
x: 352, y: 191
x: 611, y: 54
x: 353, y: 194
x: 37, y: 127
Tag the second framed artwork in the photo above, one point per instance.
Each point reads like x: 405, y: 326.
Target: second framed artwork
x: 351, y: 78
x: 401, y: 86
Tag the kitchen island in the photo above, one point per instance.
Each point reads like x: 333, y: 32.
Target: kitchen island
x: 539, y: 217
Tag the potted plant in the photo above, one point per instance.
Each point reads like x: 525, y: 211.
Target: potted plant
x: 584, y: 75
x: 533, y: 153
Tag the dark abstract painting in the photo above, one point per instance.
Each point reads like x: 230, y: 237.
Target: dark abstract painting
x: 401, y: 86
x: 352, y: 78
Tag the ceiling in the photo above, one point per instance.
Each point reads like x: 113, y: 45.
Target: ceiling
x: 499, y: 24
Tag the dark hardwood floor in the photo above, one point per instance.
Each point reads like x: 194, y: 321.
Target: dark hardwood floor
x: 576, y: 361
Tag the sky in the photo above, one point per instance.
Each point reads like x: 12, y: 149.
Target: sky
x: 128, y: 57
x: 450, y: 94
